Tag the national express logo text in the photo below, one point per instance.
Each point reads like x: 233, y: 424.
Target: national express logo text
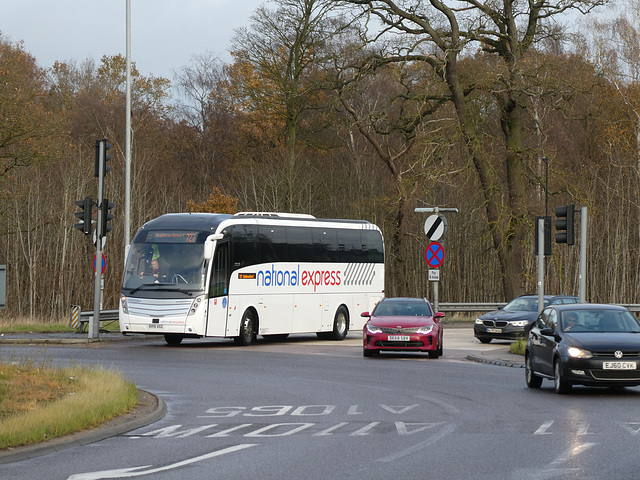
x: 295, y: 277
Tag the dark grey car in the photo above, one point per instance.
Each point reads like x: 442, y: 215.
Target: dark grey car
x: 514, y: 320
x: 584, y: 344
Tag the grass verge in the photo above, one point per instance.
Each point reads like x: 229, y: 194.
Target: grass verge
x: 36, y: 325
x: 39, y: 328
x: 39, y: 402
x: 518, y: 347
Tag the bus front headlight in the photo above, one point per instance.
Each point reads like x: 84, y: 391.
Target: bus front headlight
x: 123, y: 301
x: 195, y: 305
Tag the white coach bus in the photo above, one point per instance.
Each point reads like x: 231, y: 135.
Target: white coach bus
x: 193, y: 275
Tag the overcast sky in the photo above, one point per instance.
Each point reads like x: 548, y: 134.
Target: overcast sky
x: 165, y: 34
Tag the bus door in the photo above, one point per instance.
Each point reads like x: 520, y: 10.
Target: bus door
x: 219, y: 291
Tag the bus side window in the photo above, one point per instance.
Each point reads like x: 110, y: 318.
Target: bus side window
x: 272, y: 244
x: 299, y: 243
x: 219, y: 285
x: 325, y: 245
x: 350, y: 246
x: 372, y: 246
x: 245, y: 252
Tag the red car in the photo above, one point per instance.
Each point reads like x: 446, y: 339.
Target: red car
x: 403, y: 324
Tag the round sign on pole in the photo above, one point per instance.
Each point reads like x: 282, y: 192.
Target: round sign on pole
x: 434, y: 254
x: 104, y: 263
x: 435, y: 226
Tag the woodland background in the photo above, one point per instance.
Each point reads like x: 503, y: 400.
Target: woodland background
x: 325, y: 110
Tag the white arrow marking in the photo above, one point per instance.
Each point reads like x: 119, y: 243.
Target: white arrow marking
x: 398, y: 410
x: 632, y: 427
x: 542, y: 429
x: 419, y: 447
x: 554, y: 469
x: 135, y: 471
x: 402, y: 429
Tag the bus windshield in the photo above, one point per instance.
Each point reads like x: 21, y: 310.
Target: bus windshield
x: 165, y: 262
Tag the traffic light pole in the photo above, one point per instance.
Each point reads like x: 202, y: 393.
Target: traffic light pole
x: 94, y: 325
x: 541, y: 247
x: 582, y: 281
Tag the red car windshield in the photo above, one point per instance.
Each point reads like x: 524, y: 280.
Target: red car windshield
x: 397, y: 309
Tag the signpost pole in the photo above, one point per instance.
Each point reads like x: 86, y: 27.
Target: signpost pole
x: 435, y: 296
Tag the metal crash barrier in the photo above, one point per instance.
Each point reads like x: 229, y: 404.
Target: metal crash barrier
x: 79, y: 320
x: 489, y: 307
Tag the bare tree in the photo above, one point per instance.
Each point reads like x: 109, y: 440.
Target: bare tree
x: 204, y: 112
x: 284, y: 49
x: 439, y: 34
x: 387, y: 107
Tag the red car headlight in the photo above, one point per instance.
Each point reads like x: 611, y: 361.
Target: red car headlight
x: 425, y: 330
x: 373, y: 329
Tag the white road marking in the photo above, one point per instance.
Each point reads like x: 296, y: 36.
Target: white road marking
x: 138, y: 471
x: 542, y: 429
x: 632, y: 427
x: 364, y: 430
x: 419, y: 447
x: 554, y: 469
x: 330, y: 430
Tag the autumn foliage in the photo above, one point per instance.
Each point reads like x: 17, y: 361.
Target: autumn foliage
x: 315, y: 120
x: 218, y: 202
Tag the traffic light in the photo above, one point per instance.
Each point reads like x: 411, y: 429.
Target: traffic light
x: 102, y: 157
x: 84, y: 214
x: 565, y: 227
x: 106, y: 216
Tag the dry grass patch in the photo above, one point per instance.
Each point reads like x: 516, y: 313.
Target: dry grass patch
x: 23, y: 388
x: 44, y: 325
x: 40, y: 402
x: 33, y: 324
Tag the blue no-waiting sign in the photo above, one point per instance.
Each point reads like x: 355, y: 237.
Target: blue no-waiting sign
x: 104, y: 263
x: 434, y: 254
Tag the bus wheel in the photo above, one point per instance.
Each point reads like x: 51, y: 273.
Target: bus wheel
x: 247, y: 329
x: 173, y: 339
x: 341, y: 324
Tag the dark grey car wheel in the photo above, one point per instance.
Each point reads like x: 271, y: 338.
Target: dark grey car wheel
x: 559, y: 382
x: 533, y: 381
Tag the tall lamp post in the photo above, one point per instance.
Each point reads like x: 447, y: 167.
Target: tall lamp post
x: 127, y: 175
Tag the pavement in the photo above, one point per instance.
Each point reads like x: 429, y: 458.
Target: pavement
x: 459, y: 336
x: 66, y: 338
x: 500, y: 357
x: 153, y: 408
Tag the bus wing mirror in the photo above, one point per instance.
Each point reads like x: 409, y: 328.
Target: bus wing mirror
x: 208, y: 245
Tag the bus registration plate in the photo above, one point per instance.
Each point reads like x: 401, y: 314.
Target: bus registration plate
x: 398, y: 338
